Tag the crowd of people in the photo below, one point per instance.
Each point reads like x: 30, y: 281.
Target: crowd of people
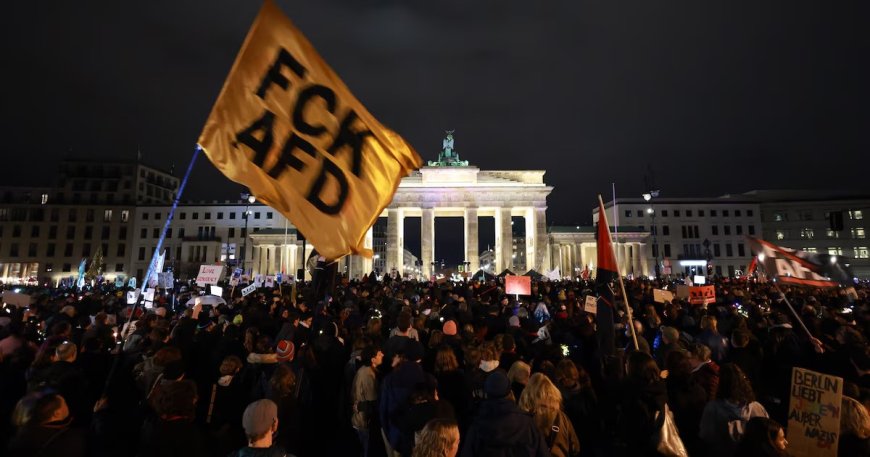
x: 407, y: 368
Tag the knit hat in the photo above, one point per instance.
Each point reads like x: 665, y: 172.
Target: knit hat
x: 449, y: 328
x: 238, y: 319
x: 259, y: 417
x: 285, y: 351
x: 497, y: 384
x: 514, y: 321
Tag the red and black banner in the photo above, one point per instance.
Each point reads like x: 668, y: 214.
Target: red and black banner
x: 606, y: 272
x: 791, y: 266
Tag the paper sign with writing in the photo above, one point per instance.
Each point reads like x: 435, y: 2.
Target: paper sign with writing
x: 209, y: 274
x: 663, y: 296
x: 814, y: 410
x: 702, y: 295
x: 682, y: 291
x: 215, y: 290
x: 165, y: 280
x: 591, y: 304
x: 132, y: 296
x: 247, y: 290
x: 270, y: 281
x: 519, y: 285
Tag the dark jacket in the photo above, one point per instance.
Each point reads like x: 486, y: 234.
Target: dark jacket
x: 636, y: 418
x: 172, y: 438
x: 707, y: 376
x: 502, y: 429
x: 274, y: 451
x: 45, y: 441
x: 395, y: 391
x: 686, y: 400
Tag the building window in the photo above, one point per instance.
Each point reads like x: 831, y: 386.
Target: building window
x: 655, y: 250
x: 183, y: 215
x: 86, y: 250
x: 749, y: 213
x: 835, y: 251
x: 122, y: 248
x: 639, y: 214
x: 688, y: 213
x: 628, y: 213
x: 119, y: 267
x: 726, y: 229
x: 220, y: 215
x: 181, y: 232
x: 858, y: 233
x: 861, y: 252
x: 52, y: 232
x: 71, y: 232
x: 67, y: 267
x: 54, y: 215
x: 89, y: 232
x: 244, y: 232
x: 700, y: 213
x: 666, y: 230
x: 144, y: 216
x: 737, y: 213
x: 741, y: 251
x: 805, y: 215
x: 667, y: 250
x: 104, y: 232
x: 142, y: 253
x: 208, y: 216
x: 812, y: 250
x: 683, y: 228
x: 738, y: 229
x: 156, y: 216
x: 807, y: 233
x: 269, y: 214
x: 143, y: 233
x: 195, y: 216
x: 856, y: 215
x: 107, y: 215
x: 751, y: 229
x: 89, y: 215
x: 13, y: 250
x: 780, y: 216
x: 729, y: 250
x: 31, y: 250
x: 68, y: 250
x: 712, y: 213
x: 122, y: 233
x: 49, y: 267
x: 16, y: 231
x: 231, y: 232
x: 717, y: 251
x: 125, y: 215
x: 257, y: 215
x: 664, y: 213
x: 34, y: 231
x: 781, y: 234
x: 714, y: 229
x: 832, y: 233
x: 232, y: 215
x: 676, y: 213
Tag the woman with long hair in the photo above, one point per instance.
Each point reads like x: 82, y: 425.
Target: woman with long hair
x: 580, y: 403
x: 854, y: 429
x: 724, y: 419
x: 543, y: 400
x: 763, y: 438
x: 451, y: 383
x: 642, y: 399
x: 439, y: 438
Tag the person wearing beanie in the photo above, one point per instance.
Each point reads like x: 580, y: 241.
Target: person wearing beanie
x: 501, y: 424
x: 449, y: 328
x: 260, y: 421
x: 285, y: 351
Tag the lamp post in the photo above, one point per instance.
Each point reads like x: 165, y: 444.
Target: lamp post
x: 250, y: 199
x: 648, y: 198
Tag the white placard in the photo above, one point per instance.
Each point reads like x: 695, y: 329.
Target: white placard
x: 270, y: 282
x: 591, y: 304
x: 132, y: 296
x: 215, y: 290
x: 248, y: 290
x: 209, y: 274
x: 699, y: 280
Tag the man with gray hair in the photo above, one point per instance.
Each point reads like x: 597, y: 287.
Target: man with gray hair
x: 705, y: 372
x: 65, y: 376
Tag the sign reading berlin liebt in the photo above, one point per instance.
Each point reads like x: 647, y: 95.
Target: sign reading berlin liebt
x: 288, y: 128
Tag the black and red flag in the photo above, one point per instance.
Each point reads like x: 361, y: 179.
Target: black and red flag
x: 801, y: 267
x: 606, y: 272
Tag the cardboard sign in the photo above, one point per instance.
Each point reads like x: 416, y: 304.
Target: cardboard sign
x: 270, y: 282
x: 17, y: 299
x: 663, y: 296
x: 591, y: 304
x: 814, y: 410
x: 165, y: 280
x: 682, y: 291
x: 209, y: 274
x: 132, y: 283
x: 247, y: 290
x: 519, y: 285
x: 702, y: 295
x: 119, y: 282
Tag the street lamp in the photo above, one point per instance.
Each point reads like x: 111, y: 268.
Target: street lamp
x: 647, y: 197
x: 250, y: 199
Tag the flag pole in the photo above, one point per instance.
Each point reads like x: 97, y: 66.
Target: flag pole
x: 621, y: 282
x: 787, y: 303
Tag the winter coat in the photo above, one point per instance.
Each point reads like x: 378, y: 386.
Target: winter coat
x: 561, y: 438
x: 707, y: 376
x: 686, y: 400
x: 723, y: 423
x: 48, y: 441
x: 502, y: 429
x: 717, y: 343
x: 636, y: 417
x: 395, y: 392
x: 364, y: 396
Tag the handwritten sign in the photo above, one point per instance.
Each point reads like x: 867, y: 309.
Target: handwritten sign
x: 165, y: 280
x: 519, y: 285
x: 814, y: 413
x: 270, y: 281
x: 663, y: 296
x: 209, y: 274
x: 247, y: 290
x: 682, y: 291
x: 133, y: 296
x: 702, y: 295
x: 591, y: 304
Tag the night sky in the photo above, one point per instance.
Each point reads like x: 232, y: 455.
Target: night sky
x: 713, y: 97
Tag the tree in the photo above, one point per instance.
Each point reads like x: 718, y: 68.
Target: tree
x: 96, y: 267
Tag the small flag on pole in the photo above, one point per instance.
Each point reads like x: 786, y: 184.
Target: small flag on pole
x: 800, y: 267
x: 287, y: 127
x: 605, y: 273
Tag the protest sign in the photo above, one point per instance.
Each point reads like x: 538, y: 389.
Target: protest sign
x: 702, y: 295
x: 17, y: 299
x: 209, y: 274
x: 247, y: 290
x: 165, y: 280
x: 132, y: 296
x: 215, y: 290
x: 519, y: 285
x: 591, y: 304
x: 663, y: 296
x: 682, y: 291
x: 119, y: 282
x: 270, y: 282
x: 814, y: 413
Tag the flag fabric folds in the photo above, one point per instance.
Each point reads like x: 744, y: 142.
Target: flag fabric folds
x: 800, y: 267
x: 287, y: 127
x: 605, y: 273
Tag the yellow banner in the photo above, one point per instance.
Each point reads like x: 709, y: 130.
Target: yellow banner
x: 288, y: 128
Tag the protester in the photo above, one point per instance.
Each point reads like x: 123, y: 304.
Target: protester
x: 439, y: 438
x: 763, y: 437
x: 723, y: 421
x: 544, y: 401
x: 44, y: 428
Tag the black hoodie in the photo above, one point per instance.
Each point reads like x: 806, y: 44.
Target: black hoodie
x: 502, y: 429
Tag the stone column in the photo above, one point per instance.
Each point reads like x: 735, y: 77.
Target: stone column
x: 292, y: 264
x: 272, y: 252
x: 427, y: 241
x: 531, y: 240
x: 472, y: 251
x: 541, y: 254
x: 644, y: 259
x: 369, y: 244
x: 395, y: 240
x: 503, y: 239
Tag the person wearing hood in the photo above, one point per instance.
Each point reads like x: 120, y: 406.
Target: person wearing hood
x: 501, y: 428
x: 43, y: 421
x: 643, y: 397
x: 724, y: 419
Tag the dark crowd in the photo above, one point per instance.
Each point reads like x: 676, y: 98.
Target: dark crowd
x: 406, y: 368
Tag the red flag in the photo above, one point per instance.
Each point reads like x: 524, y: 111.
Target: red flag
x: 605, y: 273
x: 606, y: 259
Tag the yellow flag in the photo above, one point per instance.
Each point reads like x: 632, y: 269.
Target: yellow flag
x: 288, y: 128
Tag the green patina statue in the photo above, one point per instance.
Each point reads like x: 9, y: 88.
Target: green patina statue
x: 448, y: 157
